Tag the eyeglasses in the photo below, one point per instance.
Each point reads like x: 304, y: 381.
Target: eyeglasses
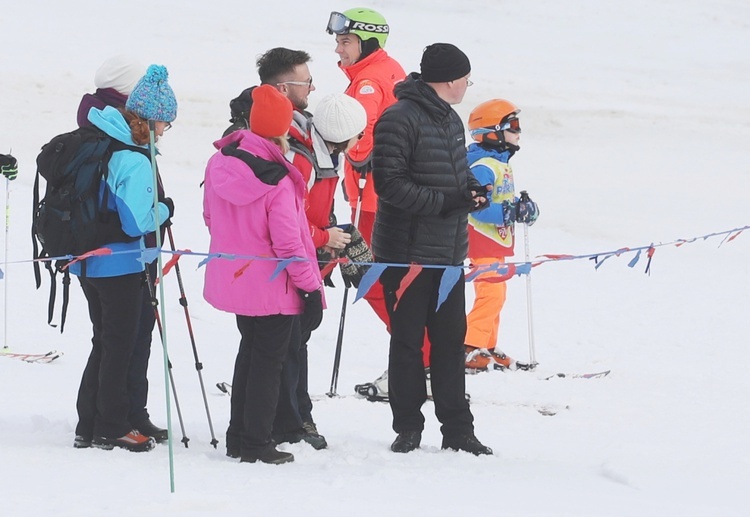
x: 307, y: 83
x: 469, y: 82
x: 168, y: 127
x: 512, y: 125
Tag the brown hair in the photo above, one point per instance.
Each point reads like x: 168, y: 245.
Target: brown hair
x: 138, y: 127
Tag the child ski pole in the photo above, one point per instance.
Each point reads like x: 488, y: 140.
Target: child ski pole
x: 530, y: 316
x: 5, y: 265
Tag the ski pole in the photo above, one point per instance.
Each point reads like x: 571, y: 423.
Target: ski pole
x: 5, y: 265
x: 163, y: 326
x: 154, y: 304
x: 198, y: 364
x: 530, y: 316
x: 342, y: 319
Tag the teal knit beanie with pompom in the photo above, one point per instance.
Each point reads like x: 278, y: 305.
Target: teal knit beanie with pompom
x: 153, y: 98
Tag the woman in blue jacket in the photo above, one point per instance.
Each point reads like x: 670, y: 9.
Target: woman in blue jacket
x: 112, y: 284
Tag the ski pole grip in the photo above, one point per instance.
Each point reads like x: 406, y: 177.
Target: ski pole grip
x: 525, y: 196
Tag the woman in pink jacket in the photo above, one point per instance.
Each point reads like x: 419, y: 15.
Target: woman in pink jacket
x: 253, y: 206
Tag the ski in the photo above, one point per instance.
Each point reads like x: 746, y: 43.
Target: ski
x: 224, y: 387
x: 594, y: 375
x: 33, y: 358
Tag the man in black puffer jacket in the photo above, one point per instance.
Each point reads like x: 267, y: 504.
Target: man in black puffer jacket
x: 425, y: 192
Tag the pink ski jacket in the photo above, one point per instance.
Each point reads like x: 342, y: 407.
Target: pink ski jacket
x: 257, y: 212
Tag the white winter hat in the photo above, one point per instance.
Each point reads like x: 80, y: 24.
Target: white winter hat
x: 339, y: 118
x: 120, y: 73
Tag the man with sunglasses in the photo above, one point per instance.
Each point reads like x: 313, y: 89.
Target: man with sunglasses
x: 287, y: 70
x: 496, y: 130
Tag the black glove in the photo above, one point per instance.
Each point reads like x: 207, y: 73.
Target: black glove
x: 170, y: 205
x: 456, y: 203
x: 313, y: 310
x: 483, y: 193
x: 526, y: 210
x: 8, y: 166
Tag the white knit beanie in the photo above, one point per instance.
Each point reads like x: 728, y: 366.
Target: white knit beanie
x: 120, y: 73
x: 339, y: 118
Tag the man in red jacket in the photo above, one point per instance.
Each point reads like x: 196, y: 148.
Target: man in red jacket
x: 360, y: 40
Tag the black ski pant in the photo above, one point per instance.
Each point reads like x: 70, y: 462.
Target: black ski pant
x: 288, y: 418
x: 138, y: 371
x: 304, y: 403
x: 446, y: 329
x: 114, y: 307
x: 257, y: 376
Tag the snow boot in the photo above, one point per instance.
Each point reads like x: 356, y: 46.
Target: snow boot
x: 407, y: 441
x: 481, y: 360
x: 466, y: 442
x: 268, y: 455
x: 313, y: 437
x: 147, y: 428
x: 132, y: 441
x: 375, y: 391
x: 81, y: 442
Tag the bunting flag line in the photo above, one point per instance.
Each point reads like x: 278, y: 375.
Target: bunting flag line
x: 503, y: 270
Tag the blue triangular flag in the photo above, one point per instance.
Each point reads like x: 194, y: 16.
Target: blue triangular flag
x: 369, y: 279
x: 448, y: 280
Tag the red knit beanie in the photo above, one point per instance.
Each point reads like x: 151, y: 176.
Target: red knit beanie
x: 271, y: 113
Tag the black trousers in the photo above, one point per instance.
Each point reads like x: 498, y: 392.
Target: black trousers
x: 257, y: 376
x: 288, y: 418
x: 446, y: 329
x: 114, y: 307
x: 138, y: 370
x: 304, y: 403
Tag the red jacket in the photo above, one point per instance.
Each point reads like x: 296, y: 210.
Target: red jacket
x: 320, y: 191
x: 372, y: 81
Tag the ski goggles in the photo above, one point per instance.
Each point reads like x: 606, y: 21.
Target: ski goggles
x: 339, y: 23
x: 512, y: 125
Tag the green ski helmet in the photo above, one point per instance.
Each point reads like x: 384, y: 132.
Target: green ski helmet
x: 360, y: 21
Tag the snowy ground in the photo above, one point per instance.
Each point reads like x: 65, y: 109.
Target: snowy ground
x: 636, y: 122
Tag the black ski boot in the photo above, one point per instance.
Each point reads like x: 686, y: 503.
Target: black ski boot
x: 466, y: 442
x: 407, y: 441
x: 269, y: 455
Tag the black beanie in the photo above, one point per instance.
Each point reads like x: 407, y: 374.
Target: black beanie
x: 443, y: 62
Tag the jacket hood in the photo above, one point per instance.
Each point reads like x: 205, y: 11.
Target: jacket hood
x: 477, y: 152
x: 111, y: 121
x: 234, y: 180
x: 414, y: 89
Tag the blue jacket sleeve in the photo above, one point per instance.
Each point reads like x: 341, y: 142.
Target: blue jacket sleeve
x: 131, y: 183
x: 494, y: 211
